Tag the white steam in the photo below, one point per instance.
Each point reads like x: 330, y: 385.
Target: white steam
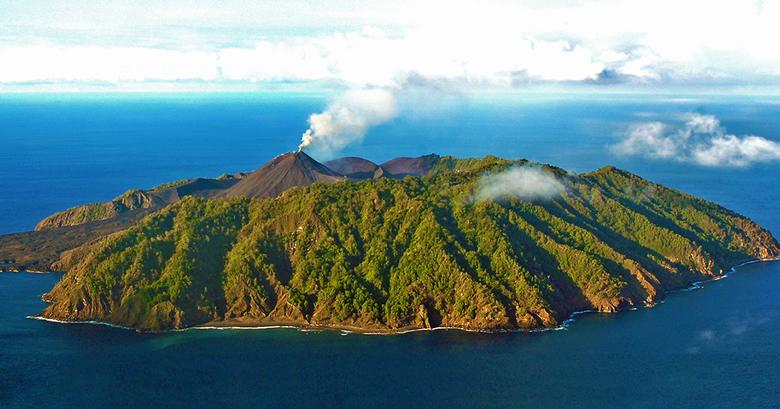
x: 701, y: 140
x: 527, y: 183
x: 347, y: 119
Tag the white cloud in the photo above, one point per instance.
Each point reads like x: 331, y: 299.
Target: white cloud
x: 374, y: 58
x: 648, y: 139
x: 730, y: 150
x: 701, y: 140
x: 490, y: 42
x: 527, y: 183
x: 703, y: 124
x: 55, y: 63
x: 362, y: 58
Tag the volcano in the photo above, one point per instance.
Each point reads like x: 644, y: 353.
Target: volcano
x: 281, y: 173
x: 419, y: 166
x: 353, y: 167
x: 398, y: 168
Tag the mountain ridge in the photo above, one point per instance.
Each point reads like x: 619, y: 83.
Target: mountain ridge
x: 40, y: 249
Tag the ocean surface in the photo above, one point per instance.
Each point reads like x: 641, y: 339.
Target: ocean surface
x: 715, y: 347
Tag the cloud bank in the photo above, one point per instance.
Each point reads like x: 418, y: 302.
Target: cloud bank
x: 368, y: 57
x: 346, y: 120
x: 700, y: 140
x: 526, y: 183
x: 489, y: 42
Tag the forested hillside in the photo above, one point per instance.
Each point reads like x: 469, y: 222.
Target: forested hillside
x: 391, y: 254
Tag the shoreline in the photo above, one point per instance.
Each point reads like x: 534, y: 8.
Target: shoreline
x: 91, y: 322
x: 31, y: 272
x: 696, y: 285
x: 346, y: 329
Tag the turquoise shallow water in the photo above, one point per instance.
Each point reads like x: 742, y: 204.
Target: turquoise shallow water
x: 714, y: 347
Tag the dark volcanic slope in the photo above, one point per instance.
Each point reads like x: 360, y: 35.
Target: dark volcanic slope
x: 39, y: 250
x: 419, y: 166
x: 203, y: 187
x: 283, y: 172
x: 353, y: 167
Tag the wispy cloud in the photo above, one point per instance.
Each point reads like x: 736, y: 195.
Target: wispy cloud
x: 700, y: 139
x: 522, y: 182
x: 723, y: 333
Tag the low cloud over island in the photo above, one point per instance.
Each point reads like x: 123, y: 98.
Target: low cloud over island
x: 521, y: 182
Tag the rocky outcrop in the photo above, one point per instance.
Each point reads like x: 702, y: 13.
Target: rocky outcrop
x: 154, y: 198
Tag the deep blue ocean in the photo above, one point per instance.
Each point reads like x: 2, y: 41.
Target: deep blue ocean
x: 716, y: 347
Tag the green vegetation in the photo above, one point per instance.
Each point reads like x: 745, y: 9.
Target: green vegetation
x: 169, y: 185
x: 78, y: 215
x: 417, y: 252
x: 130, y: 200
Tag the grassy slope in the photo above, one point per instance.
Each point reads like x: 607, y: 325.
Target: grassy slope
x: 131, y: 200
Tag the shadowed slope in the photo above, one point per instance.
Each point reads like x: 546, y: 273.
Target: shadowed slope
x: 419, y: 166
x: 353, y: 167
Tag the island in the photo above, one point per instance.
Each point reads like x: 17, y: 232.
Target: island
x: 412, y: 243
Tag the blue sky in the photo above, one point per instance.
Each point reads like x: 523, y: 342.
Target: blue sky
x: 486, y: 45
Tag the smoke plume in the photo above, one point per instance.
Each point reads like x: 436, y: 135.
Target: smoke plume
x: 347, y: 118
x: 527, y: 183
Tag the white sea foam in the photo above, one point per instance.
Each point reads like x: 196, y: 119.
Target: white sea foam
x: 107, y: 324
x: 572, y: 317
x: 700, y: 284
x: 310, y: 330
x: 254, y: 328
x: 694, y: 286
